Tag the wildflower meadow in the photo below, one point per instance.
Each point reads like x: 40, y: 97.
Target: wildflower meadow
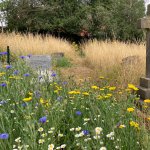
x: 66, y: 115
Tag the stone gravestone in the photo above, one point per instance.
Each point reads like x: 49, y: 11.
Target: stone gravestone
x: 144, y: 88
x: 41, y: 64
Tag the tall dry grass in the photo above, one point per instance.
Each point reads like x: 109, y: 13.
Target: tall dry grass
x: 23, y: 44
x: 107, y: 59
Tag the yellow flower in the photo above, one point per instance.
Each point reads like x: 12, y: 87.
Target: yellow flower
x: 95, y: 87
x: 44, y: 102
x: 30, y: 93
x: 74, y: 92
x: 56, y: 91
x: 101, y: 89
x: 147, y: 101
x: 109, y: 95
x: 122, y: 126
x: 130, y: 109
x: 101, y: 77
x: 148, y: 118
x: 85, y: 93
x: 112, y: 88
x: 134, y: 124
x: 27, y: 99
x: 99, y: 97
x: 2, y: 73
x: 133, y: 87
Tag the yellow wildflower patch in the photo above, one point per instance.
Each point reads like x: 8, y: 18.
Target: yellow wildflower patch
x: 130, y: 109
x: 122, y: 126
x: 27, y: 99
x: 74, y: 92
x: 133, y: 87
x: 85, y: 93
x: 134, y: 124
x: 147, y: 101
x: 44, y: 102
x: 2, y: 73
x: 101, y: 89
x: 112, y: 88
x: 30, y: 93
x: 99, y: 97
x: 101, y: 77
x: 94, y: 87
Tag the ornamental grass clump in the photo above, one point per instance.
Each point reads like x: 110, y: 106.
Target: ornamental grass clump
x: 67, y: 116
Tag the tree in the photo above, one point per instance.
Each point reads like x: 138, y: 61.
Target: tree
x: 113, y: 19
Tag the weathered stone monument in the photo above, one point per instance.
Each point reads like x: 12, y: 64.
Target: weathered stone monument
x: 144, y: 88
x: 39, y: 62
x: 42, y: 65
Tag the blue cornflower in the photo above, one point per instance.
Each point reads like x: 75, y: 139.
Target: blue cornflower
x: 16, y: 72
x: 22, y: 57
x: 3, y: 102
x: 26, y: 74
x: 4, y: 136
x: 8, y: 67
x: 43, y: 119
x: 37, y: 94
x: 59, y: 98
x: 24, y: 104
x: 78, y: 113
x: 64, y: 83
x: 85, y: 132
x: 3, y: 53
x: 29, y: 55
x: 53, y: 74
x: 3, y: 84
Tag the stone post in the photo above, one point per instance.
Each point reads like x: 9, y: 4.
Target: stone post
x: 144, y: 88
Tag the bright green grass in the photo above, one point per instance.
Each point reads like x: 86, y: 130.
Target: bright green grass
x: 99, y: 108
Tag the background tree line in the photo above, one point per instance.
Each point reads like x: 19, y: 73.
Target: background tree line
x: 102, y: 19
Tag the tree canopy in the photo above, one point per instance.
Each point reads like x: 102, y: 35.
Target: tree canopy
x: 113, y: 19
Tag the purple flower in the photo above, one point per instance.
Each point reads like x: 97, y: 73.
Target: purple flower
x: 26, y: 74
x: 59, y: 98
x: 85, y: 132
x: 8, y: 66
x: 16, y: 72
x: 53, y: 74
x: 37, y: 94
x: 29, y: 55
x: 64, y: 83
x: 4, y: 136
x: 3, y: 84
x: 22, y: 57
x: 3, y: 102
x: 78, y: 113
x: 3, y: 53
x: 43, y: 119
x: 24, y: 104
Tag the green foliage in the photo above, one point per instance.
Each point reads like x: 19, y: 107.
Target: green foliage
x: 78, y: 116
x: 61, y: 62
x: 113, y: 19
